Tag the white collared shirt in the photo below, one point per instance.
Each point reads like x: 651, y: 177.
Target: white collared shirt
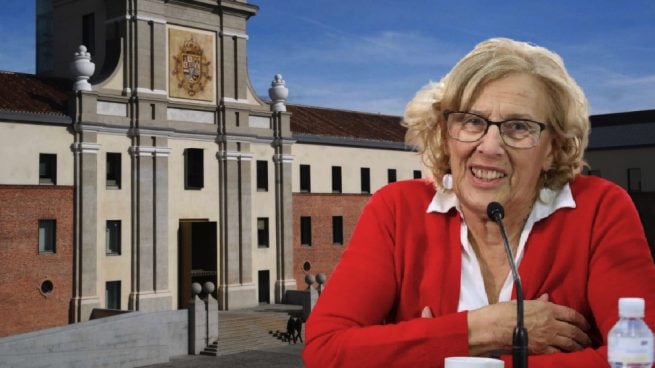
x: 472, y: 293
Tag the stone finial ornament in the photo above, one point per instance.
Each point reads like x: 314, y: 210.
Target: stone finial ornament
x: 310, y: 280
x: 196, y: 288
x: 82, y: 69
x: 208, y: 287
x: 278, y: 94
x: 321, y: 279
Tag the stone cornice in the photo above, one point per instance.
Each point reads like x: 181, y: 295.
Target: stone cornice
x: 150, y: 19
x: 30, y: 117
x: 150, y: 151
x: 234, y: 34
x: 284, y: 158
x: 234, y: 155
x: 86, y: 147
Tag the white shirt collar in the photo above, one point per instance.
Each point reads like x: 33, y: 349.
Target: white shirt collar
x: 443, y: 201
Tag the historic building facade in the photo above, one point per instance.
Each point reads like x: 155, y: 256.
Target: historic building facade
x: 159, y: 166
x: 153, y: 160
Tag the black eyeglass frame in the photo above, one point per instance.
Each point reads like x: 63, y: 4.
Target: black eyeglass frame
x: 446, y: 113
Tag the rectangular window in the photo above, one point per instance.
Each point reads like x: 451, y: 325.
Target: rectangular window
x: 337, y: 229
x: 366, y: 179
x: 113, y: 294
x: 262, y: 232
x: 391, y: 175
x: 262, y: 176
x: 634, y: 180
x: 89, y: 33
x: 193, y: 168
x: 305, y: 179
x: 306, y: 231
x: 113, y: 170
x: 47, y: 168
x: 418, y: 174
x: 113, y: 237
x: 336, y: 179
x: 47, y: 236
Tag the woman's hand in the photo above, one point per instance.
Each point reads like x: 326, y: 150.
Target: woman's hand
x: 551, y: 327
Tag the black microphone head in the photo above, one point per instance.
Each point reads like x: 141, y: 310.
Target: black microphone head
x: 495, y: 211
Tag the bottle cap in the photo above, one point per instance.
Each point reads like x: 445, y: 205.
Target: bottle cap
x: 631, y: 307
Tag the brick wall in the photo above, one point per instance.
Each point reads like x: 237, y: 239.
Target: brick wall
x: 23, y: 306
x: 323, y: 255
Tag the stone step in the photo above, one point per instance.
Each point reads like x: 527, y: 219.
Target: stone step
x: 251, y: 329
x: 211, y: 350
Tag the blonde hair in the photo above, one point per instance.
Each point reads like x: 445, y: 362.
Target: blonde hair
x: 488, y: 61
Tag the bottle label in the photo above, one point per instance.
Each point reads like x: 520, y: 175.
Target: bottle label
x: 630, y: 350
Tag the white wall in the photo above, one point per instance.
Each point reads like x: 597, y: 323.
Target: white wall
x: 189, y: 204
x: 263, y: 205
x: 114, y: 204
x: 20, y: 146
x: 322, y: 158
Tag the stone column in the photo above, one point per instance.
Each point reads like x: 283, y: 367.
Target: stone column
x: 85, y: 293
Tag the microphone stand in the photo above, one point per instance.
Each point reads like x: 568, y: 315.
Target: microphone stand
x: 496, y: 213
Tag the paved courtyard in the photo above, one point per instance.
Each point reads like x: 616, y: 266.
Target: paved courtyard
x: 282, y: 357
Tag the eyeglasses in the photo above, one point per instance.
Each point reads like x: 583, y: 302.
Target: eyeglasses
x: 469, y: 127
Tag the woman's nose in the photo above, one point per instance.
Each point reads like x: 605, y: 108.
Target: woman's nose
x: 492, y: 142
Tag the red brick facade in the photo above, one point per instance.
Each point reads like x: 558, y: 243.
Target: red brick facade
x: 23, y: 306
x: 323, y: 255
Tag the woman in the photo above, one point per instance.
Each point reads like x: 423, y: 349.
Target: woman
x: 425, y: 275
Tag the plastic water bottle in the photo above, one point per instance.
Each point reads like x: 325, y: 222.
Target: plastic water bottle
x: 630, y: 341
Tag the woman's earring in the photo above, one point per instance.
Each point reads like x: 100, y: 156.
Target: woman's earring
x: 546, y: 195
x: 447, y: 182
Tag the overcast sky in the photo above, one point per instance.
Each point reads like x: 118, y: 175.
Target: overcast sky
x: 373, y: 55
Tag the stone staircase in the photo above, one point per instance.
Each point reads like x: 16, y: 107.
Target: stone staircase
x: 261, y: 327
x: 211, y: 350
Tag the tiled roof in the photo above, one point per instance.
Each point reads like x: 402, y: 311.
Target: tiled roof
x: 320, y: 121
x: 27, y: 93
x: 31, y: 94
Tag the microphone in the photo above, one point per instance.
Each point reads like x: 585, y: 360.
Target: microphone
x: 496, y: 213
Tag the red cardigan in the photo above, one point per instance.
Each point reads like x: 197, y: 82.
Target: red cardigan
x: 401, y: 259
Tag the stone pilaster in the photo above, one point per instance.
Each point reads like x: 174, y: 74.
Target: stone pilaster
x: 240, y: 60
x: 159, y: 54
x: 161, y: 241
x: 149, y: 243
x: 236, y: 288
x: 283, y: 207
x: 85, y: 293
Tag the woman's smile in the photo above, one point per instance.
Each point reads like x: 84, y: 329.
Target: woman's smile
x: 487, y: 174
